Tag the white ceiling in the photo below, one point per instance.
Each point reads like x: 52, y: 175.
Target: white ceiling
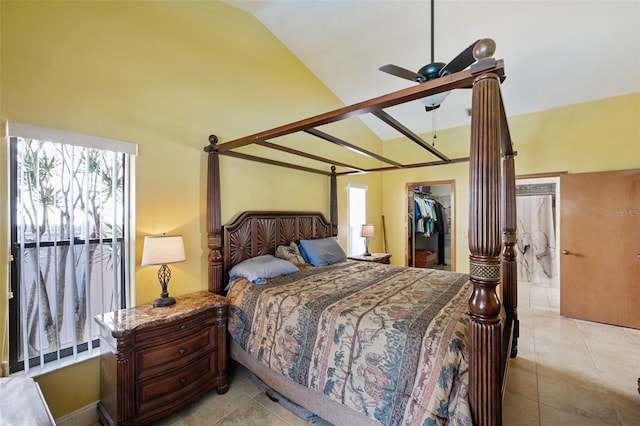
x: 556, y: 52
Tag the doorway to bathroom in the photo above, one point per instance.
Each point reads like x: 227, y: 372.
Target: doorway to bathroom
x: 538, y: 213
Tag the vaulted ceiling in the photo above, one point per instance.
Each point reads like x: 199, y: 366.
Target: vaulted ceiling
x: 556, y: 53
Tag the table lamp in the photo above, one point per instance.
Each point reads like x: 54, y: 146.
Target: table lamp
x: 163, y: 250
x: 367, y: 232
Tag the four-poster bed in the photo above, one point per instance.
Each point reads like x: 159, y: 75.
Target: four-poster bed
x: 492, y: 324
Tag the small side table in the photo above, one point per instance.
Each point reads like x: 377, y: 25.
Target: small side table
x: 375, y: 257
x: 155, y: 361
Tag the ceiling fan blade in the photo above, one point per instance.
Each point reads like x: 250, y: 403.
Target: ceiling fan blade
x: 402, y: 73
x: 460, y: 62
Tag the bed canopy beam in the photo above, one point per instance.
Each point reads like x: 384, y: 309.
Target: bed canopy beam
x: 392, y: 122
x: 443, y: 84
x: 356, y: 170
x: 292, y: 151
x: 275, y: 163
x: 329, y: 138
x: 410, y: 166
x: 344, y: 144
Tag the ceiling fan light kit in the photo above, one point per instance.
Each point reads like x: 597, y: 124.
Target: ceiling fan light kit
x: 432, y: 102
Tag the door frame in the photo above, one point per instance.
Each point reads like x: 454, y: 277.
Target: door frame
x: 452, y: 217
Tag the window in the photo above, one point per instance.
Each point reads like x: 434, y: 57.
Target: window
x: 69, y: 241
x: 357, y: 212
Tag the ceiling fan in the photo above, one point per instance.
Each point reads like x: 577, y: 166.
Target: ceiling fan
x: 434, y: 69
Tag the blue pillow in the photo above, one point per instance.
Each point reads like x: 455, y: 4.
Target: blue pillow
x: 324, y: 251
x: 266, y: 266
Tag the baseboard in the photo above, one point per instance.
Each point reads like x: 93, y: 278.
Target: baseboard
x: 85, y: 416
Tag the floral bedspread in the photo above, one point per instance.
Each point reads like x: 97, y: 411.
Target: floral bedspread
x: 388, y: 341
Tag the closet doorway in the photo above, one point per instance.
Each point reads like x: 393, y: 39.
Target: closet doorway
x: 430, y: 225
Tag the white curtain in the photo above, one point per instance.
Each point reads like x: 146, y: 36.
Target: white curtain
x: 536, y: 247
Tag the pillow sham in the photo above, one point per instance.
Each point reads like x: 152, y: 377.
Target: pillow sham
x: 291, y: 253
x: 322, y: 252
x: 266, y: 266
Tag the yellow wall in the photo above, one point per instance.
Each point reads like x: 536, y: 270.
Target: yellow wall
x: 163, y: 75
x: 594, y: 136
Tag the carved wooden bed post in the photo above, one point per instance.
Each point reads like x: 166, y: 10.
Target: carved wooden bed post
x: 214, y: 225
x: 509, y: 236
x: 485, y: 328
x: 333, y: 214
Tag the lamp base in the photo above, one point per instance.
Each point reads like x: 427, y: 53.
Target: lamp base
x: 164, y: 301
x: 366, y: 254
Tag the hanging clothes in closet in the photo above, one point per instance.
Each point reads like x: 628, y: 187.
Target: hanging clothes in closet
x: 430, y: 218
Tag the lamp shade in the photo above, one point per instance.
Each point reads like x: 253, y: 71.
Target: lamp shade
x: 162, y: 250
x: 368, y: 231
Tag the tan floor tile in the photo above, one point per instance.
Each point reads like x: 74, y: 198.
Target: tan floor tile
x: 551, y: 320
x: 576, y: 397
x: 210, y: 408
x: 624, y: 385
x: 519, y: 411
x: 251, y: 413
x: 563, y: 349
x: 282, y: 412
x: 634, y: 333
x: 628, y: 408
x: 561, y: 333
x: 524, y: 361
x: 244, y: 383
x: 602, y: 337
x: 177, y: 419
x: 569, y: 373
x: 522, y: 382
x: 551, y: 416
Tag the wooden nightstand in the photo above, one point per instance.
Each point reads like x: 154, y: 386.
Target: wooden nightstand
x: 155, y: 361
x: 375, y: 257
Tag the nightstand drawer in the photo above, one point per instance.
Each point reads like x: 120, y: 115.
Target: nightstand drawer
x: 174, y: 387
x: 157, y: 335
x: 163, y: 358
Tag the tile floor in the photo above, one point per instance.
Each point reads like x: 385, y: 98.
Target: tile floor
x: 570, y: 372
x: 567, y: 372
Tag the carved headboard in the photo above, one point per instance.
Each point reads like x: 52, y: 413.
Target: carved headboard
x: 256, y: 233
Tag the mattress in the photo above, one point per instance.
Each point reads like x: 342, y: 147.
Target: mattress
x: 389, y: 342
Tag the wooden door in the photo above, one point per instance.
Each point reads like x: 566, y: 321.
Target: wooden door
x: 600, y: 246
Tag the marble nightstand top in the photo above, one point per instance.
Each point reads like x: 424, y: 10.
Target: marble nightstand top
x: 125, y: 321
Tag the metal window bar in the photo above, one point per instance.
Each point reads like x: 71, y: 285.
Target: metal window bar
x: 51, y: 246
x: 57, y: 236
x: 21, y: 231
x: 86, y: 297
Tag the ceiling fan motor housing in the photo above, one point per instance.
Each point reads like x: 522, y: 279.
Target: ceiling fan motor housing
x: 432, y: 70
